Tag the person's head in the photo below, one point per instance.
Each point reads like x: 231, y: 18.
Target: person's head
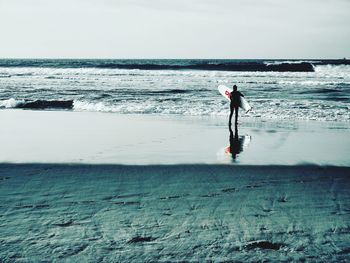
x: 234, y: 88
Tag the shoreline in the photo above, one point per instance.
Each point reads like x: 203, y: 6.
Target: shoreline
x: 109, y: 138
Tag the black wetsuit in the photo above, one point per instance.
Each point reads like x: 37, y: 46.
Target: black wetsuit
x: 234, y: 105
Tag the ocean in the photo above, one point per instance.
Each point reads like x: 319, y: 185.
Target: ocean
x: 276, y: 89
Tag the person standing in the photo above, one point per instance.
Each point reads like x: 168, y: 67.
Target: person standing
x: 234, y: 105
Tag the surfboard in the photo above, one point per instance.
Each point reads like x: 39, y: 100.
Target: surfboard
x: 226, y: 92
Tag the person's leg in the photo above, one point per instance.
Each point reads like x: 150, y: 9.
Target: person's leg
x: 236, y: 116
x: 230, y: 118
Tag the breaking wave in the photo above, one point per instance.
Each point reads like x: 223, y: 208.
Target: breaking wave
x: 324, y: 110
x: 96, y: 85
x: 37, y: 104
x: 208, y: 65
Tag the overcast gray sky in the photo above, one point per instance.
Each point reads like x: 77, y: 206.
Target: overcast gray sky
x: 175, y: 29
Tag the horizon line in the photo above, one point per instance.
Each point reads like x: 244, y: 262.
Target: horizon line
x: 145, y: 58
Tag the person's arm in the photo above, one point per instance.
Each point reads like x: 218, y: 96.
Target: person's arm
x: 241, y: 94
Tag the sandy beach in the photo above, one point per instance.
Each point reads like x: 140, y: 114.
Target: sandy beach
x: 188, y: 213
x: 99, y: 187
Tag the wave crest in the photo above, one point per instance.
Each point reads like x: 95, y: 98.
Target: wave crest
x: 208, y: 65
x: 37, y: 104
x: 10, y: 103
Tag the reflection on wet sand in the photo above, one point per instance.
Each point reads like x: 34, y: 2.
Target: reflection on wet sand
x: 237, y: 143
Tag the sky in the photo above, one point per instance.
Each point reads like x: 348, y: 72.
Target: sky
x: 237, y: 29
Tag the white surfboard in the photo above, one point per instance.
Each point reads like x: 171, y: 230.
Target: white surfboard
x: 226, y: 92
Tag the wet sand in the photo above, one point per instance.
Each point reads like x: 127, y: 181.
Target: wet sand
x: 104, y: 138
x: 113, y: 213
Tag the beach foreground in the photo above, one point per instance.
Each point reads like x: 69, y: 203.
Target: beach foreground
x: 114, y: 213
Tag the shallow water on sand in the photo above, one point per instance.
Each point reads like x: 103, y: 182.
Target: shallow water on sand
x: 84, y: 137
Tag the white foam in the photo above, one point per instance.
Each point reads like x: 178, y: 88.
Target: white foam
x: 10, y: 103
x: 333, y: 71
x: 268, y: 63
x: 265, y: 109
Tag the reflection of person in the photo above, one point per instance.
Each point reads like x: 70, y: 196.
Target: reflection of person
x: 234, y: 105
x: 236, y: 144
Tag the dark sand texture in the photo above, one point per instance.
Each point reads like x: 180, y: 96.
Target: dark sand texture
x: 113, y: 213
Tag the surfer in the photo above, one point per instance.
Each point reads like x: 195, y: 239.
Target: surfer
x: 234, y: 105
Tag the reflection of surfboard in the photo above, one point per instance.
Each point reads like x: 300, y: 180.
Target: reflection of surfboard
x: 226, y: 92
x: 244, y: 142
x: 225, y: 154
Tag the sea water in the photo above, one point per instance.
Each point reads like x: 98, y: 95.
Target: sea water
x: 276, y: 89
